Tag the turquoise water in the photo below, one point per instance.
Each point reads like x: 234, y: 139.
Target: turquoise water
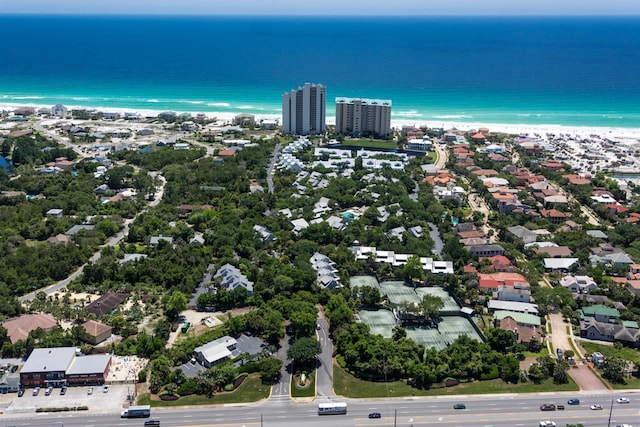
x: 568, y: 71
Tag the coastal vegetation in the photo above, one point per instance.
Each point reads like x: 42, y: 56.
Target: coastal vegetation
x: 219, y: 202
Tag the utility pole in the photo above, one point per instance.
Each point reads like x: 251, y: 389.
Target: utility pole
x: 395, y: 417
x: 610, y: 412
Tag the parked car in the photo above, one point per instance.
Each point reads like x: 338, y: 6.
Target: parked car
x: 459, y: 406
x: 48, y: 391
x: 622, y: 400
x: 90, y: 390
x: 596, y: 407
x: 548, y: 407
x: 573, y: 401
x: 375, y: 415
x: 20, y: 392
x: 35, y: 391
x: 63, y: 391
x: 105, y: 389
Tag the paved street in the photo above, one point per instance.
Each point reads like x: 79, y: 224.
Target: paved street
x: 504, y: 410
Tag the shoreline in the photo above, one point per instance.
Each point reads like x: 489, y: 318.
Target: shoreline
x: 509, y: 128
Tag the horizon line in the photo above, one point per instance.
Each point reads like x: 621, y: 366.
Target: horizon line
x: 328, y: 15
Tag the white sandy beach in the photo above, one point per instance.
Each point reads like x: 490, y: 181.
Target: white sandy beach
x: 631, y: 134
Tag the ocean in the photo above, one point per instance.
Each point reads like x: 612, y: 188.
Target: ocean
x: 573, y: 71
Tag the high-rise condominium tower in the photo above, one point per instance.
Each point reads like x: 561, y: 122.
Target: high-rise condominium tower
x: 303, y: 110
x: 363, y: 117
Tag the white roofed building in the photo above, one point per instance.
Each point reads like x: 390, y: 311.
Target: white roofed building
x: 215, y: 351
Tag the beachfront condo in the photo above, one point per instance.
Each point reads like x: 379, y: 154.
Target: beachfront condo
x: 303, y: 110
x: 363, y: 117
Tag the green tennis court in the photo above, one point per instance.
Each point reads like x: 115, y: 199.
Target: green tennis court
x: 399, y: 292
x: 381, y: 322
x: 449, y: 303
x: 358, y: 281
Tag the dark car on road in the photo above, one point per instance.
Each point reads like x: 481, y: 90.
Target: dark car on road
x: 20, y: 392
x: 375, y: 415
x: 573, y: 401
x: 459, y: 406
x: 548, y: 407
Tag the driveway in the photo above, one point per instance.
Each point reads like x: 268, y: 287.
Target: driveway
x: 580, y: 373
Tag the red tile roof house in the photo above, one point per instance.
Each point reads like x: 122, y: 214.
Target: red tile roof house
x: 508, y: 279
x: 478, y: 138
x: 576, y: 179
x: 226, y: 153
x: 618, y: 209
x: 500, y: 263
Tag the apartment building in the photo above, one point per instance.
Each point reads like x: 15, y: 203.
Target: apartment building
x: 304, y: 110
x: 363, y: 117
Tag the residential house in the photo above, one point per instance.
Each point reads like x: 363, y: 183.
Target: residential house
x: 77, y: 228
x: 231, y: 278
x: 59, y: 239
x: 559, y: 264
x: 578, y: 284
x: 516, y: 294
x: 55, y: 213
x: 555, y: 216
x: 265, y: 234
x: 610, y: 332
x: 553, y: 251
x: 327, y: 274
x: 520, y: 307
x: 600, y: 313
x: 633, y: 279
x: 606, y: 254
x: 523, y: 233
x: 524, y: 325
x: 479, y: 251
x: 499, y: 263
x: 336, y: 222
x: 524, y: 332
x: 299, y: 225
x: 154, y: 242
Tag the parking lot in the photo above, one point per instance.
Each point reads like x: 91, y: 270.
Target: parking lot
x: 74, y: 397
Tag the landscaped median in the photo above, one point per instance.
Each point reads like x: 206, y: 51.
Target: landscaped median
x: 347, y: 385
x: 303, y: 387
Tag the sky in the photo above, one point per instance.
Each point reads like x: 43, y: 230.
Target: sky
x: 323, y: 7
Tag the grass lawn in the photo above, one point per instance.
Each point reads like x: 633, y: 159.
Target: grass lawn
x: 347, y: 385
x: 309, y: 391
x: 251, y: 390
x: 611, y: 351
x: 370, y: 143
x: 626, y: 353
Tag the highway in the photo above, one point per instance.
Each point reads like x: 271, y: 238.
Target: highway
x: 481, y: 411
